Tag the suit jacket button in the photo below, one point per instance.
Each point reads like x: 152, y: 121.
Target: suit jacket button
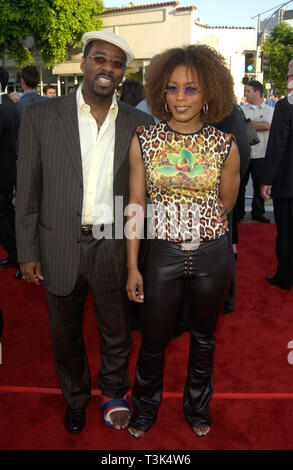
x: 78, y: 240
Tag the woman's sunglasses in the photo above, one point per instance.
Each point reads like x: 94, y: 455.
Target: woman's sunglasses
x: 188, y: 90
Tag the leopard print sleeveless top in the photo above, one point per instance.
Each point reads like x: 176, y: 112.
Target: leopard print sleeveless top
x: 183, y: 176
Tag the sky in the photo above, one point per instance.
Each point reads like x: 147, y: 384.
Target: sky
x: 220, y: 12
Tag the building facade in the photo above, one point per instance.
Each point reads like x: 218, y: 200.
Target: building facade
x: 152, y: 28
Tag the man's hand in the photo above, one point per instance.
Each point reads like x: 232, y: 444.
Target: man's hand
x: 265, y: 191
x: 222, y: 216
x: 32, y: 272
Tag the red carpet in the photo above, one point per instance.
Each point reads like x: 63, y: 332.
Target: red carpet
x: 252, y: 407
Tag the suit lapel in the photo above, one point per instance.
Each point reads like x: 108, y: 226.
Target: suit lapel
x: 67, y: 124
x: 122, y: 137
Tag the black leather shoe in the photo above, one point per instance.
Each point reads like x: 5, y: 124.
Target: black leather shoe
x: 262, y: 219
x: 18, y: 275
x: 7, y: 263
x: 272, y: 281
x: 75, y: 420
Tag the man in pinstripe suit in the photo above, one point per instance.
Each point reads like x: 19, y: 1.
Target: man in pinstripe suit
x: 72, y: 188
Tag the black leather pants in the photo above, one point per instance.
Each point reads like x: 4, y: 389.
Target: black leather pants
x: 202, y: 276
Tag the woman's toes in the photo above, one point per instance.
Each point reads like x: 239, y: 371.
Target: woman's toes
x: 201, y: 431
x: 136, y: 433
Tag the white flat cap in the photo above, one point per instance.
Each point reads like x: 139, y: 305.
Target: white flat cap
x: 112, y: 39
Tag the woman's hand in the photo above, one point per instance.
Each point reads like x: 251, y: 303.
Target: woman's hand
x: 134, y: 286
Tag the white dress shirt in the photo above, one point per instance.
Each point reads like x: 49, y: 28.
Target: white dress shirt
x: 97, y: 152
x: 261, y: 112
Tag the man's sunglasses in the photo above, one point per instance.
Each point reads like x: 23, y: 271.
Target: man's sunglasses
x: 288, y: 76
x: 101, y: 60
x: 188, y: 90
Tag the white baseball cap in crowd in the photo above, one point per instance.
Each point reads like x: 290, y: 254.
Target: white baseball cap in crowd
x: 112, y: 38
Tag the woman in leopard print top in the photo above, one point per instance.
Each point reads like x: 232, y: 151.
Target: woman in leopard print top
x: 189, y: 169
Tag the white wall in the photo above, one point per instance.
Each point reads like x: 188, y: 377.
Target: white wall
x: 231, y: 43
x: 150, y: 31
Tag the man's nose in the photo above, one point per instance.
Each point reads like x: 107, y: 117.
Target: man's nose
x: 108, y: 65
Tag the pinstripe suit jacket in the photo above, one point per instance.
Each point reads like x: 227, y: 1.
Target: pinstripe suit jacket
x: 50, y: 188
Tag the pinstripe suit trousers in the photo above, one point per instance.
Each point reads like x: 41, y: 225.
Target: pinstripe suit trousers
x: 97, y: 275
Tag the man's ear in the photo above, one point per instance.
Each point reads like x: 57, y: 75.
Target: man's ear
x: 82, y: 64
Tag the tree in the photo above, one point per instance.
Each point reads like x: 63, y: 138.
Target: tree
x: 56, y: 27
x: 279, y: 47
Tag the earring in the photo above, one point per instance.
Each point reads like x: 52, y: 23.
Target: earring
x: 205, y: 108
x: 166, y: 107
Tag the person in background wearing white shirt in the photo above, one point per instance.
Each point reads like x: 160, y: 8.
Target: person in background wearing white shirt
x: 261, y: 116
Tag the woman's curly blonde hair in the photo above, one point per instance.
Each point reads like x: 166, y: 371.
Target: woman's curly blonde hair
x: 214, y: 77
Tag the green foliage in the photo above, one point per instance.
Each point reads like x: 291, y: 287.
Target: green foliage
x: 279, y: 47
x: 57, y: 27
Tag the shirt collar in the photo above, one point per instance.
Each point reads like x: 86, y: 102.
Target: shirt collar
x: 256, y: 106
x: 83, y: 106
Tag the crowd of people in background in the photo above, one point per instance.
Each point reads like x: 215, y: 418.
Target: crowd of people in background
x: 142, y: 154
x: 132, y: 91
